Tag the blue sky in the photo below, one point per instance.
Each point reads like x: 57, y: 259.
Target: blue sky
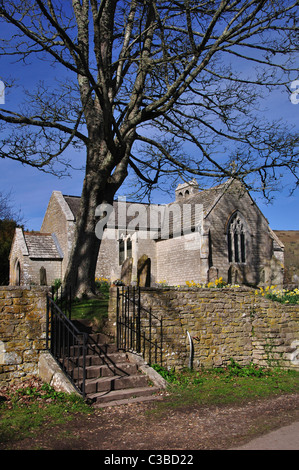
x: 31, y: 189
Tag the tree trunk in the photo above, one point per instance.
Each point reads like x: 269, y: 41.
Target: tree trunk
x: 82, y: 260
x: 99, y: 187
x: 80, y: 273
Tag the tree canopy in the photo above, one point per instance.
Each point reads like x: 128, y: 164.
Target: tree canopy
x: 162, y: 89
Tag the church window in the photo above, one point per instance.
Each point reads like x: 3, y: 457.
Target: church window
x: 125, y: 249
x: 121, y: 251
x: 236, y: 240
x: 18, y: 274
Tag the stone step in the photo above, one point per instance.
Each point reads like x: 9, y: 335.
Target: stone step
x: 104, y: 370
x: 97, y: 360
x: 100, y: 338
x: 106, y: 384
x: 93, y: 349
x: 119, y: 397
x: 127, y: 401
x: 111, y: 378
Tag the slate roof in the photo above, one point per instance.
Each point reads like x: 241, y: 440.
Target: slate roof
x: 174, y: 222
x: 74, y: 204
x: 42, y: 245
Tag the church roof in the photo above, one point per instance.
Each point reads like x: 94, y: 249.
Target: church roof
x: 73, y: 203
x: 42, y: 245
x: 205, y: 199
x: 201, y: 202
x: 119, y: 221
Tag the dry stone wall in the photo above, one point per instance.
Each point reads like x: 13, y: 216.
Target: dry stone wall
x: 22, y: 331
x: 223, y: 323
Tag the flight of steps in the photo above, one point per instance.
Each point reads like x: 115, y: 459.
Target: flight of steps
x: 111, y: 377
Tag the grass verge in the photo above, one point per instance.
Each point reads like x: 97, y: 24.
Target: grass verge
x: 27, y: 410
x: 232, y: 385
x: 32, y: 406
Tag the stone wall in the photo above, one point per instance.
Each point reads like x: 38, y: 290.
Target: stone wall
x: 224, y: 323
x: 52, y: 268
x: 177, y: 262
x: 22, y: 331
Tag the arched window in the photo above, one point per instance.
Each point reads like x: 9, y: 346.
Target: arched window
x: 236, y: 240
x: 18, y: 273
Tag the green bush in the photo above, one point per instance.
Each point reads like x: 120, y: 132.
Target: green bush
x: 251, y: 370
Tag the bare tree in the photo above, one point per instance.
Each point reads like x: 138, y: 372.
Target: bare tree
x: 158, y: 88
x: 7, y: 211
x: 10, y: 218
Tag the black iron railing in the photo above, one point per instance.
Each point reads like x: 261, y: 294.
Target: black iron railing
x: 71, y: 348
x: 138, y: 329
x: 67, y: 345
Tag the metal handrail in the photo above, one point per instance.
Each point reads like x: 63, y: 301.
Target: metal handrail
x: 130, y: 327
x: 67, y: 345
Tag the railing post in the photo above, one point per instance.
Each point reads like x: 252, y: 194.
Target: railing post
x: 70, y: 303
x: 150, y: 336
x: 117, y: 319
x: 61, y: 303
x: 84, y: 364
x: 161, y: 359
x: 53, y: 330
x: 138, y: 324
x: 133, y: 322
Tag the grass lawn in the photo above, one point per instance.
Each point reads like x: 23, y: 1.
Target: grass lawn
x: 94, y: 310
x: 226, y: 386
x: 89, y: 309
x: 27, y: 409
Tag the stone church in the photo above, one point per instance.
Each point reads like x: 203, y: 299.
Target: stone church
x: 200, y: 236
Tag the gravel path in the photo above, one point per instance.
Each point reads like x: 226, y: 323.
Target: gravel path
x: 137, y: 427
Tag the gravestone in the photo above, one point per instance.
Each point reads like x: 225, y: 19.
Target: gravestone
x: 126, y: 271
x: 235, y: 276
x: 43, y: 276
x: 212, y: 274
x: 144, y: 271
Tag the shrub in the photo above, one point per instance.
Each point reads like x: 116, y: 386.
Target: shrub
x: 251, y: 370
